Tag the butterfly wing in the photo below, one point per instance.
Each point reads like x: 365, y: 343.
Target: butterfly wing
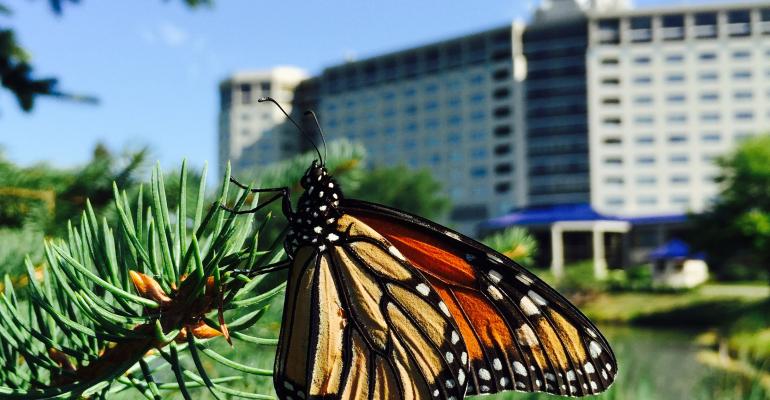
x: 520, y: 333
x: 361, y: 322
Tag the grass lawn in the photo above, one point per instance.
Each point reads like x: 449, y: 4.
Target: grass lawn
x: 708, y: 305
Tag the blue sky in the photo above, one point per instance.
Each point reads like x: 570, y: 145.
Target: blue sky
x: 155, y: 64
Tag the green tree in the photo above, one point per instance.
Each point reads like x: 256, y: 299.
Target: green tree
x: 735, y: 230
x: 416, y: 192
x: 515, y: 243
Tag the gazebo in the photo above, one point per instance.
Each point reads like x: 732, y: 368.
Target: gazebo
x: 560, y: 219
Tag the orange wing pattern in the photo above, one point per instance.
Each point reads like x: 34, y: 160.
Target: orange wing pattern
x: 520, y: 334
x: 362, y: 323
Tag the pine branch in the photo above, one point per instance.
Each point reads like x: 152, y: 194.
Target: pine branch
x: 128, y: 304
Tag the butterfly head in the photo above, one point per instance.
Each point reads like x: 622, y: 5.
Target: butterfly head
x: 315, y: 222
x: 314, y: 174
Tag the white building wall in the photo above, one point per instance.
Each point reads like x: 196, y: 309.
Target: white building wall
x: 660, y: 112
x: 253, y: 133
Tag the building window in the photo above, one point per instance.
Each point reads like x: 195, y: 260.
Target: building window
x: 675, y: 78
x: 478, y: 116
x: 501, y: 112
x: 644, y: 99
x: 744, y: 115
x: 709, y: 97
x: 645, y: 160
x: 707, y: 56
x: 454, y: 138
x: 645, y: 139
x: 610, y: 61
x: 478, y: 153
x: 710, y: 116
x: 477, y: 97
x: 678, y: 159
x: 614, y: 201
x: 680, y: 200
x: 742, y: 75
x: 644, y: 120
x: 641, y: 29
x: 609, y: 31
x: 613, y: 141
x: 677, y: 138
x: 503, y: 169
x: 647, y: 200
x: 613, y: 161
x: 612, y: 121
x: 611, y: 101
x: 613, y: 181
x: 676, y: 118
x: 245, y: 93
x: 502, y: 149
x: 705, y: 25
x: 741, y: 55
x: 478, y: 172
x: 502, y: 187
x: 642, y: 79
x: 674, y: 58
x: 673, y: 27
x: 642, y: 60
x: 502, y: 131
x: 739, y: 23
x: 501, y: 74
x: 764, y: 16
x: 711, y: 137
x: 611, y: 81
x: 646, y: 180
x: 501, y: 93
x: 708, y: 76
x: 676, y: 98
x: 679, y: 179
x: 743, y: 95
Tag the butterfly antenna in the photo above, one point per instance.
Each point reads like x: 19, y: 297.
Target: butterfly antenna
x: 320, y: 130
x: 309, y: 139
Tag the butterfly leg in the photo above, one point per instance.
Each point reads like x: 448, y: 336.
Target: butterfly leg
x: 283, y: 194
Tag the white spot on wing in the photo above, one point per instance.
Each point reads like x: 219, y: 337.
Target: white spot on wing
x: 549, y: 376
x: 604, y: 375
x: 589, y: 368
x: 504, y: 381
x: 496, y: 364
x: 464, y: 358
x: 423, y: 289
x: 595, y: 349
x: 519, y: 368
x: 455, y: 337
x: 317, y: 229
x: 452, y: 235
x: 444, y: 308
x: 526, y: 336
x: 524, y: 279
x: 332, y: 237
x: 461, y: 376
x: 484, y: 374
x: 537, y: 298
x: 528, y: 306
x: 494, y: 276
x: 449, y: 357
x: 495, y: 293
x: 450, y: 384
x: 494, y: 258
x: 570, y: 375
x: 436, y: 393
x: 394, y: 251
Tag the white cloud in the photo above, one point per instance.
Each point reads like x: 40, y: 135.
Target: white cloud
x: 172, y: 35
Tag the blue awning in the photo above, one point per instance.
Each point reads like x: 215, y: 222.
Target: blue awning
x: 674, y: 248
x: 546, y: 215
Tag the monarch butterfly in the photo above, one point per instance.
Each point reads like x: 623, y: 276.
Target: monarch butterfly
x: 382, y: 304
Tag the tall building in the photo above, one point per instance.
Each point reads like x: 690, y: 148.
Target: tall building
x: 252, y: 134
x: 453, y: 107
x: 670, y: 90
x: 592, y: 102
